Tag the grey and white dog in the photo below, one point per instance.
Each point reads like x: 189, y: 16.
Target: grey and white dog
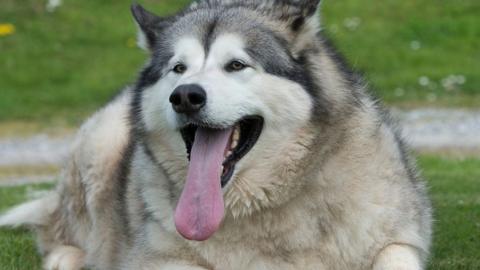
x: 246, y: 143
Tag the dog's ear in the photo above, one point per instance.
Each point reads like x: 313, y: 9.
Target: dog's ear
x: 303, y: 13
x: 149, y: 26
x: 303, y: 20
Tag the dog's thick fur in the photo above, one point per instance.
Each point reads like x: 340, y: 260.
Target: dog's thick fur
x: 328, y: 185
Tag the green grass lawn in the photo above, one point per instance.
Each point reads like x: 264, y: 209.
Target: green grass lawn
x: 63, y: 65
x: 17, y: 248
x: 455, y: 191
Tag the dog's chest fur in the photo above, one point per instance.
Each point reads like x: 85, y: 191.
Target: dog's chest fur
x: 310, y: 232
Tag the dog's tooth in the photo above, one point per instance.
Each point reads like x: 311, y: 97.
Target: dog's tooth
x: 236, y: 134
x: 234, y: 144
x: 235, y: 138
x: 229, y: 153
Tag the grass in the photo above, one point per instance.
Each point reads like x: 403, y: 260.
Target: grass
x: 455, y: 191
x: 398, y: 42
x: 59, y: 67
x: 17, y: 247
x: 64, y: 65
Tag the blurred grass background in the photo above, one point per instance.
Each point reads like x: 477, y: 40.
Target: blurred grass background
x: 60, y: 66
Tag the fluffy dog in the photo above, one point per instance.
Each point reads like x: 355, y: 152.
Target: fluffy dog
x: 246, y: 143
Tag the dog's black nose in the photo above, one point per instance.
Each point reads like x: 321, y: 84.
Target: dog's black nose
x: 188, y: 98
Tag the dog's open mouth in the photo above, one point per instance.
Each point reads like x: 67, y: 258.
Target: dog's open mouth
x: 242, y: 139
x: 213, y: 154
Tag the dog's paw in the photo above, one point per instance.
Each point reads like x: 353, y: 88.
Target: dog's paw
x: 65, y: 258
x: 398, y: 257
x: 180, y: 267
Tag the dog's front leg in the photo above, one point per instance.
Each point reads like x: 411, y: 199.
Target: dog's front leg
x: 398, y: 257
x: 65, y: 258
x: 161, y: 265
x: 172, y: 266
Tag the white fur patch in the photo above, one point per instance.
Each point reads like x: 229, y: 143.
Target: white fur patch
x: 34, y: 213
x: 225, y: 48
x: 142, y: 42
x: 158, y: 111
x: 65, y: 258
x: 398, y: 257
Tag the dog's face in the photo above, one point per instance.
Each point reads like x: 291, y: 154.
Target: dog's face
x: 228, y: 92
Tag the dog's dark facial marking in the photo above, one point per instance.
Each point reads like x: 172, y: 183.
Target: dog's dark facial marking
x: 210, y: 34
x: 309, y: 7
x: 297, y: 24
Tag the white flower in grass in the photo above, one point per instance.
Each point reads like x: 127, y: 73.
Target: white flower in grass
x: 461, y: 79
x: 52, y: 5
x: 448, y: 84
x: 415, y: 45
x: 353, y: 23
x: 424, y: 81
x: 453, y: 82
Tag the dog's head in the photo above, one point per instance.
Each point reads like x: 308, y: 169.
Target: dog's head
x: 231, y: 81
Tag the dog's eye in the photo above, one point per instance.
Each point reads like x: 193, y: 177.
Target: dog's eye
x: 180, y: 68
x: 235, y: 65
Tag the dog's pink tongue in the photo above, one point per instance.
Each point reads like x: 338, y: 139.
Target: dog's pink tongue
x: 200, y: 209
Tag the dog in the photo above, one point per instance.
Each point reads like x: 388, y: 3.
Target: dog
x: 246, y: 143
